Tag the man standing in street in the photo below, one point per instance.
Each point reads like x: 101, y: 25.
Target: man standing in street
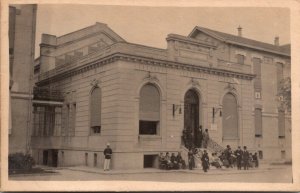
x: 107, y: 153
x: 239, y: 154
x: 228, y: 155
x: 205, y: 161
x: 246, y: 158
x: 255, y: 159
x: 191, y: 160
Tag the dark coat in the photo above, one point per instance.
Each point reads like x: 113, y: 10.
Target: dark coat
x: 205, y: 161
x: 246, y: 155
x: 107, y: 152
x: 239, y: 154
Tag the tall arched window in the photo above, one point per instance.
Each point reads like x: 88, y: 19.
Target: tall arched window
x: 230, y: 117
x: 95, y: 111
x: 149, y: 111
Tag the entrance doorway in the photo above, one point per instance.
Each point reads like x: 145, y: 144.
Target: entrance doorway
x: 50, y: 157
x: 45, y: 157
x: 191, y: 118
x: 54, y: 157
x: 150, y: 161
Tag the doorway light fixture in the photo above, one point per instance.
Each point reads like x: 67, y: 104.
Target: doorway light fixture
x: 215, y: 110
x: 175, y: 107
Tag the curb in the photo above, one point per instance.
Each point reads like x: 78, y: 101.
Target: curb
x: 195, y: 171
x: 34, y: 174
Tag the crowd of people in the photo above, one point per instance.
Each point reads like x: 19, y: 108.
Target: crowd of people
x: 239, y: 158
x: 198, y: 139
x: 226, y: 159
x: 171, y: 162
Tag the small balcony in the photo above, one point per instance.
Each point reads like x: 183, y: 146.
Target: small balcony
x: 47, y: 94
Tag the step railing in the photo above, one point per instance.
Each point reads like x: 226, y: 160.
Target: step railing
x: 214, y: 146
x: 184, y: 154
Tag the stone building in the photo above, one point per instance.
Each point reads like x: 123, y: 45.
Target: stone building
x: 22, y: 22
x: 93, y: 87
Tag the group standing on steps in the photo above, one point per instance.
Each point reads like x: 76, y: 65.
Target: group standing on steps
x: 227, y: 158
x: 196, y: 139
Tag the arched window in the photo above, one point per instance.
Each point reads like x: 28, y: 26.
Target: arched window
x: 95, y: 111
x: 230, y: 117
x: 149, y: 111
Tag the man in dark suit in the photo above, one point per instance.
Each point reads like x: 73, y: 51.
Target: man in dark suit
x: 205, y: 161
x: 239, y: 154
x: 246, y: 158
x: 107, y: 153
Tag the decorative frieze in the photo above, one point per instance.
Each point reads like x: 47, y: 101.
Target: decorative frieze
x: 277, y: 60
x: 268, y: 60
x: 95, y: 83
x: 194, y: 82
x: 197, y: 48
x: 54, y: 76
x: 151, y: 78
x: 240, y: 52
x: 71, y: 57
x: 193, y: 55
x: 230, y: 87
x: 253, y: 55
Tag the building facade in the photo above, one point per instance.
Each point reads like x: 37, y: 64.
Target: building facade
x: 93, y: 87
x: 22, y: 22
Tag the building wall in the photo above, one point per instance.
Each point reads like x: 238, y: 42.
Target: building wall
x: 22, y: 63
x: 270, y: 144
x: 121, y: 81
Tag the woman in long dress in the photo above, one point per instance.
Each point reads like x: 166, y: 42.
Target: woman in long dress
x: 205, y: 161
x: 191, y: 159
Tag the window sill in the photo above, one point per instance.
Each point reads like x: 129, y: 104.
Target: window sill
x: 231, y: 138
x: 149, y: 137
x: 95, y: 134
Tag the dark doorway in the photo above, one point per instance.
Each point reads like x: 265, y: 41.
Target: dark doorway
x: 54, y: 157
x: 50, y: 157
x: 45, y: 157
x: 95, y: 160
x: 149, y: 161
x: 86, y: 159
x: 191, y: 117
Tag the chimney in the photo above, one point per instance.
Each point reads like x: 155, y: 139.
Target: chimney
x: 240, y: 31
x: 276, y: 41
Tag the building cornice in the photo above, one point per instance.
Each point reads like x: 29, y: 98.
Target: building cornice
x: 53, y: 76
x: 258, y: 48
x: 188, y: 40
x: 213, y: 34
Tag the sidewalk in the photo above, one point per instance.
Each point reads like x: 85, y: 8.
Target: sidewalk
x: 212, y: 171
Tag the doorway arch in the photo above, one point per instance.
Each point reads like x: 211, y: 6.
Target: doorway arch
x: 191, y: 117
x: 230, y: 117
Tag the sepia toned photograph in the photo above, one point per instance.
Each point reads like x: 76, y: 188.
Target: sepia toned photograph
x: 149, y: 94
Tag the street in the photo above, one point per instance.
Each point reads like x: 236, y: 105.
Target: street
x: 275, y: 174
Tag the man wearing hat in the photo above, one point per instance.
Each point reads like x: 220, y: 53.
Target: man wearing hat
x: 239, y: 155
x: 107, y: 153
x: 205, y: 161
x: 246, y: 158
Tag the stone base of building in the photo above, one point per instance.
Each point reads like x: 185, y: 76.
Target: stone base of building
x: 128, y: 160
x: 120, y: 160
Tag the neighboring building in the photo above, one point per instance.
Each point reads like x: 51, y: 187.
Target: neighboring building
x: 93, y: 87
x: 22, y: 22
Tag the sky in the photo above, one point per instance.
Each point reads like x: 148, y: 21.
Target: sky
x: 151, y: 25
